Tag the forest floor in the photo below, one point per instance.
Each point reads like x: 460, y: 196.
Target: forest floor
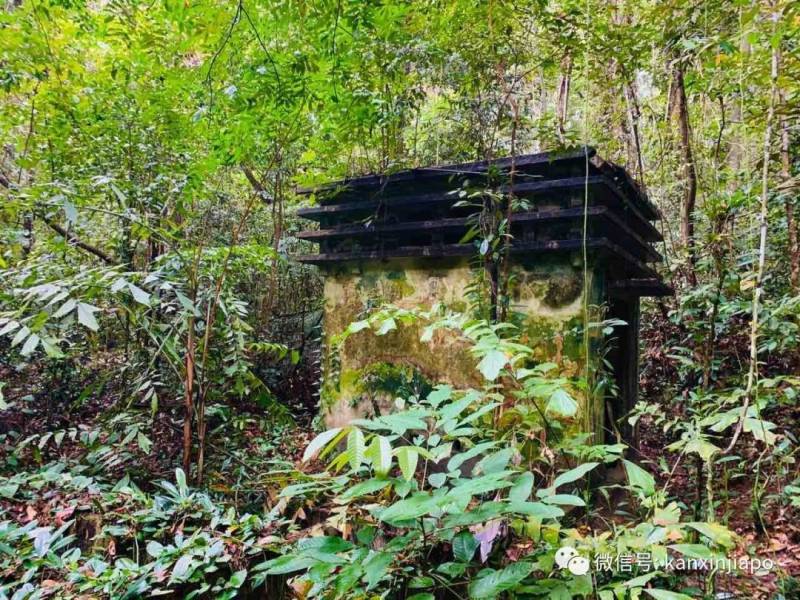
x: 766, y: 528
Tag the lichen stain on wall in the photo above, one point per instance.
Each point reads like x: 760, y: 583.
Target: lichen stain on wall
x: 547, y: 304
x: 349, y: 295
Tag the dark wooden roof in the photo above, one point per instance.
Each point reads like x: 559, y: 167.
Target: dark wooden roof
x: 417, y: 213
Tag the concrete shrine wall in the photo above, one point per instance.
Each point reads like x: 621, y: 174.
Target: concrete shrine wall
x: 367, y: 372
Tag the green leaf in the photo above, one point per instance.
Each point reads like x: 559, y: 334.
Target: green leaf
x: 30, y: 345
x: 639, y: 478
x: 183, y: 567
x: 139, y: 295
x: 319, y: 442
x: 464, y: 546
x: 490, y: 583
x: 370, y: 486
x: 355, y: 448
x: 379, y: 454
x: 9, y: 327
x: 144, y: 442
x: 564, y: 500
x: 521, y: 490
x: 154, y: 549
x: 375, y: 567
x: 238, y: 578
x: 415, y: 506
x: 437, y: 480
x: 407, y: 457
x: 180, y: 480
x: 455, y: 462
x: 7, y: 490
x: 491, y: 364
x: 386, y: 326
x: 538, y: 510
x: 21, y: 335
x: 561, y: 403
x: 70, y: 212
x: 716, y: 532
x: 574, y: 474
x: 286, y: 564
x: 86, y: 316
x: 666, y: 595
x: 494, y: 463
x: 65, y: 309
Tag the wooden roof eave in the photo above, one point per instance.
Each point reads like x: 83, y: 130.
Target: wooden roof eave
x: 435, y: 172
x: 644, y: 227
x: 462, y: 223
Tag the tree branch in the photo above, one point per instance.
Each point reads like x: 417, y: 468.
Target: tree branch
x: 72, y: 239
x: 259, y: 188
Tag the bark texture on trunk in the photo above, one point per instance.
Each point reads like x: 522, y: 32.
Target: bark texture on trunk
x: 680, y: 110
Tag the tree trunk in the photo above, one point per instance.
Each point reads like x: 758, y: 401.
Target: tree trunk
x: 562, y: 107
x: 791, y: 220
x: 188, y: 400
x: 681, y: 111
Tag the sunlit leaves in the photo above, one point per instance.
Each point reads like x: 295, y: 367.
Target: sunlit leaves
x: 407, y: 458
x: 319, y: 443
x: 640, y: 479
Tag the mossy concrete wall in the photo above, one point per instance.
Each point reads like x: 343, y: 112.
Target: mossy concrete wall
x: 367, y: 372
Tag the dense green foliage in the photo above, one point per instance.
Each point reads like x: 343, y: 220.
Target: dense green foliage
x: 152, y: 319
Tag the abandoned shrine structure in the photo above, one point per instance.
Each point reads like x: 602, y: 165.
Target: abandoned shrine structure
x: 399, y: 239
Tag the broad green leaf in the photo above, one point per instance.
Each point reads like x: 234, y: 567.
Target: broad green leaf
x: 417, y: 505
x: 440, y: 394
x: 86, y: 316
x: 716, y: 532
x: 639, y: 478
x: 319, y: 442
x: 494, y: 463
x: 464, y: 546
x: 20, y: 336
x: 65, y: 308
x: 154, y: 549
x: 666, y: 595
x: 490, y: 583
x: 379, y: 454
x: 183, y: 567
x: 457, y: 460
x: 561, y: 403
x: 492, y: 363
x: 144, y: 442
x: 407, y: 457
x: 437, y: 480
x: 355, y: 448
x: 521, y: 490
x: 30, y: 345
x: 574, y: 474
x: 139, y: 294
x: 538, y: 510
x: 375, y: 567
x: 564, y: 500
x: 9, y: 327
x: 370, y: 486
x: 386, y: 326
x: 238, y: 578
x: 286, y: 564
